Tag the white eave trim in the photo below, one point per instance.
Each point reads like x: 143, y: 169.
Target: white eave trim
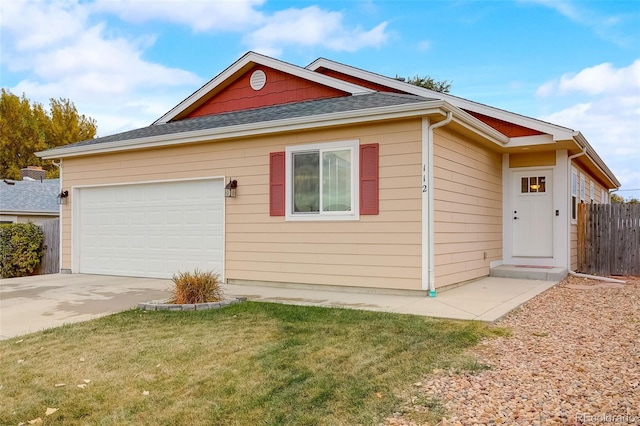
x: 255, y: 58
x: 558, y: 132
x: 530, y: 140
x: 595, y: 158
x: 291, y: 124
x: 29, y: 213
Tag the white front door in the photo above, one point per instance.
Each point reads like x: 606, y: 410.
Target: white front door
x: 532, y: 213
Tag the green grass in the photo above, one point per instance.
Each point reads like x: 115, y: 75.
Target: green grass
x: 247, y: 364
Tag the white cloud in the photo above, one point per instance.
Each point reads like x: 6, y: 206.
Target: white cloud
x: 609, y: 117
x: 98, y: 65
x: 33, y: 26
x: 606, y: 27
x: 201, y: 16
x: 59, y: 54
x: 599, y: 79
x: 312, y: 26
x: 82, y: 51
x: 424, y: 45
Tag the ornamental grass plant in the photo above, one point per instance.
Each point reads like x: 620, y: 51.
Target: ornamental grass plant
x: 196, y: 287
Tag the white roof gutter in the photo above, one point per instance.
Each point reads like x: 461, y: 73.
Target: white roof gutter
x: 30, y: 212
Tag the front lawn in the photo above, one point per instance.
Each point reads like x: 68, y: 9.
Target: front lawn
x: 247, y: 364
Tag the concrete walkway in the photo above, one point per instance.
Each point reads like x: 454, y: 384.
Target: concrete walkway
x: 35, y: 303
x: 486, y: 299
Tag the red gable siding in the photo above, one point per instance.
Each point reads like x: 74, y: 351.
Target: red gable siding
x: 280, y: 88
x: 358, y: 81
x: 508, y: 129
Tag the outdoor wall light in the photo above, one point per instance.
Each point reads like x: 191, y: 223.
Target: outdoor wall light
x: 230, y: 189
x: 62, y: 197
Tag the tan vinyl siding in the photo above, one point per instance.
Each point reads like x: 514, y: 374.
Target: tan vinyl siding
x: 468, y: 208
x: 377, y: 251
x: 533, y: 159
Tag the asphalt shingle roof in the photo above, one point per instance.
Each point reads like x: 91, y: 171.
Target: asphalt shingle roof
x: 30, y: 196
x: 266, y: 114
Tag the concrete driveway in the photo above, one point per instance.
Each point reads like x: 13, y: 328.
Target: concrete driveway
x: 30, y: 304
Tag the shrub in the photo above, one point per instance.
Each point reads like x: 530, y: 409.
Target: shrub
x: 20, y: 249
x: 196, y: 287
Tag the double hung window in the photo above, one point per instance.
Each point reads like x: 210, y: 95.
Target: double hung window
x: 574, y: 194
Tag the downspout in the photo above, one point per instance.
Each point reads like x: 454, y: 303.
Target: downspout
x: 431, y: 222
x: 59, y: 166
x: 569, y: 270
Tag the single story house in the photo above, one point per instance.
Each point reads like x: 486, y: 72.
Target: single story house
x: 32, y: 199
x: 342, y: 177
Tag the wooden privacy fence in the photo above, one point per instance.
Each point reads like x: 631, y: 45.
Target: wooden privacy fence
x: 50, y: 263
x: 609, y: 239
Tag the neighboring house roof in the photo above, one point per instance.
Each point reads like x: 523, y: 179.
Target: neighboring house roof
x: 30, y: 197
x: 355, y: 95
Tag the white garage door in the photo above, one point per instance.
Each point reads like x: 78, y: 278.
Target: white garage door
x: 151, y: 229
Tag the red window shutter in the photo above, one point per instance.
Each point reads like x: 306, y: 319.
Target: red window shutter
x: 276, y: 183
x: 369, y: 179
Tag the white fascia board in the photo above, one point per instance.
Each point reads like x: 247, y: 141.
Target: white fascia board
x: 520, y: 141
x: 30, y: 212
x: 252, y: 57
x: 558, y: 132
x: 291, y: 124
x: 470, y: 122
x: 595, y: 158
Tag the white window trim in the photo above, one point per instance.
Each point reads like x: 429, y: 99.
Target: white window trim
x: 582, y: 187
x: 604, y: 199
x: 354, y: 214
x: 574, y: 195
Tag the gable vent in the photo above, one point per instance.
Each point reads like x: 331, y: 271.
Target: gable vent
x: 258, y: 80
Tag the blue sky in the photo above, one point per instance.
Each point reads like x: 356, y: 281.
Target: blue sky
x: 126, y: 63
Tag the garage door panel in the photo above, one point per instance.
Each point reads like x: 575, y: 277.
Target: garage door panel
x: 151, y: 230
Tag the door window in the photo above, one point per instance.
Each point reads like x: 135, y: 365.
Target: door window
x: 533, y: 184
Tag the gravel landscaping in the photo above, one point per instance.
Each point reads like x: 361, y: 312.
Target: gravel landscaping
x: 572, y: 358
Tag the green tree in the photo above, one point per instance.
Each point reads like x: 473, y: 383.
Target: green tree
x: 26, y: 128
x: 617, y: 199
x: 427, y: 82
x: 20, y: 249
